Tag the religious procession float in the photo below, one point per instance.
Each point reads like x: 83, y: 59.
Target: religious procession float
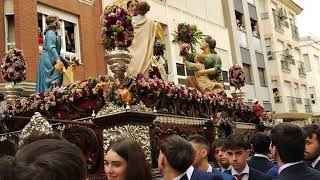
x: 137, y: 100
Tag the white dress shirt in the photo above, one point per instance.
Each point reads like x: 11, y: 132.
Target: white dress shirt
x: 244, y: 171
x: 287, y: 165
x: 209, y: 168
x: 189, y: 172
x: 314, y: 163
x: 179, y: 177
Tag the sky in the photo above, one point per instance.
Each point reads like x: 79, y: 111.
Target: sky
x: 309, y: 19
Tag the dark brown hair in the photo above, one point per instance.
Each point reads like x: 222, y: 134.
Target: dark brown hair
x: 48, y: 159
x: 212, y: 43
x: 143, y: 7
x: 178, y: 152
x: 131, y: 150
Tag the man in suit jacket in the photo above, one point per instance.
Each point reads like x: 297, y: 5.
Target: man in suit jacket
x: 175, y: 161
x: 260, y: 161
x: 202, y: 148
x: 312, y: 146
x: 287, y: 147
x: 238, y: 150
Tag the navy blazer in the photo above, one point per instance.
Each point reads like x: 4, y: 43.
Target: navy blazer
x: 317, y: 167
x: 199, y: 175
x: 255, y: 175
x: 299, y: 172
x: 260, y: 163
x: 224, y: 176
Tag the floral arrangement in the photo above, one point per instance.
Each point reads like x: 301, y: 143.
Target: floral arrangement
x: 13, y: 66
x: 187, y: 33
x: 134, y: 90
x: 64, y: 94
x: 158, y: 49
x: 184, y: 49
x: 155, y: 88
x: 116, y: 28
x: 236, y: 76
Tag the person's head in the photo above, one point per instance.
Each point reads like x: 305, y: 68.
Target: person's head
x: 261, y: 143
x: 8, y: 147
x: 255, y: 101
x: 201, y: 147
x: 219, y: 152
x: 176, y: 154
x: 312, y: 146
x: 238, y: 150
x: 287, y: 143
x: 131, y: 6
x: 48, y: 159
x: 208, y: 42
x: 126, y: 160
x: 83, y: 137
x: 52, y: 23
x: 39, y: 31
x: 72, y: 36
x: 142, y: 8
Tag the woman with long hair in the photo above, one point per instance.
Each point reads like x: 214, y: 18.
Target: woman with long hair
x: 126, y: 160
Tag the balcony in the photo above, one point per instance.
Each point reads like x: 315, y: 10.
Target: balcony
x: 285, y: 66
x: 292, y: 103
x: 295, y: 33
x: 277, y: 21
x: 307, y: 105
x: 299, y: 100
x: 257, y: 43
x: 242, y: 37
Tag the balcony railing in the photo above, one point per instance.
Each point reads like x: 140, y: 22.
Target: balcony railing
x: 278, y: 99
x: 285, y: 65
x: 295, y: 33
x: 299, y: 100
x: 277, y: 21
x: 242, y: 37
x: 307, y: 105
x: 292, y: 103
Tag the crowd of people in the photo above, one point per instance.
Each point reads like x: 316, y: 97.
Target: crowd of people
x: 288, y: 152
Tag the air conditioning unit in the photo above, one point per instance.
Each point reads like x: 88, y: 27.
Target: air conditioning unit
x: 283, y: 13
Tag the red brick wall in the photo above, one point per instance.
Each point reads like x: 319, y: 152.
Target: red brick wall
x: 92, y: 53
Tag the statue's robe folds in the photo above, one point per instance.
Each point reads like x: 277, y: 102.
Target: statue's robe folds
x: 142, y: 46
x: 47, y: 74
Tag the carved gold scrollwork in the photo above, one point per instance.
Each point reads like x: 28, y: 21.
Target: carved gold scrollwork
x: 139, y: 133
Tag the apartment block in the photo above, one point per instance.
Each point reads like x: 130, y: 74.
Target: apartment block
x: 285, y: 59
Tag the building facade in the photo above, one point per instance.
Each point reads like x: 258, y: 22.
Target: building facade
x: 287, y: 66
x: 243, y: 19
x: 23, y: 24
x: 310, y: 48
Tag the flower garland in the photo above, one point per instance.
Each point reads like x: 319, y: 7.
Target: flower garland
x: 189, y: 34
x: 13, y: 66
x: 58, y: 95
x: 155, y: 88
x: 116, y: 28
x: 236, y: 76
x: 144, y: 87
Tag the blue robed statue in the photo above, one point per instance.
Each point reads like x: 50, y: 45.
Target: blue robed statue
x: 51, y: 66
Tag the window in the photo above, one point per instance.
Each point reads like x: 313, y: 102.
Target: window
x: 240, y: 21
x: 312, y: 95
x: 255, y: 28
x: 307, y: 62
x: 247, y: 73
x: 69, y: 32
x: 9, y: 31
x: 262, y: 77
